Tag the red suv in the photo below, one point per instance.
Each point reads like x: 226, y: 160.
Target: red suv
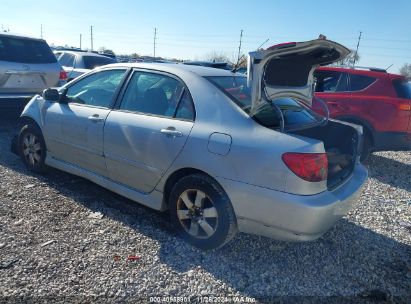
x: 373, y: 98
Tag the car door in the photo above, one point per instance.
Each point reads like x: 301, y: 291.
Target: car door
x: 148, y: 129
x: 73, y: 128
x: 332, y: 87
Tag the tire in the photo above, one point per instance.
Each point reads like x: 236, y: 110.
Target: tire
x: 201, y: 212
x: 32, y: 148
x: 366, y: 147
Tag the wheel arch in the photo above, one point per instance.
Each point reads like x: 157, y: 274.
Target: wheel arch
x: 25, y: 119
x: 368, y: 128
x: 176, y: 176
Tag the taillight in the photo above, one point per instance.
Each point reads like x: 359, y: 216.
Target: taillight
x: 404, y: 107
x: 312, y: 167
x: 63, y: 75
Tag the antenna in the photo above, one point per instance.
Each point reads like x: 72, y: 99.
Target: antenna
x: 389, y: 66
x: 41, y: 31
x: 263, y: 43
x: 80, y: 41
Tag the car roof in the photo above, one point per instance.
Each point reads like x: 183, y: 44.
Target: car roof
x: 81, y: 53
x: 10, y: 34
x: 374, y: 72
x: 178, y: 68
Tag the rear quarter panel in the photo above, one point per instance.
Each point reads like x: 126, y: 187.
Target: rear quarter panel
x: 380, y: 106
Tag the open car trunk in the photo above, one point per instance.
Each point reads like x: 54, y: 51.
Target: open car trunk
x: 284, y: 73
x: 342, y: 144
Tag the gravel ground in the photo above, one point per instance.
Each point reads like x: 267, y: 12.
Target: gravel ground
x: 63, y: 238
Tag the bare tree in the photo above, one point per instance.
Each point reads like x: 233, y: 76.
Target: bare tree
x: 103, y: 50
x: 406, y: 70
x: 217, y: 56
x: 135, y: 56
x: 350, y: 59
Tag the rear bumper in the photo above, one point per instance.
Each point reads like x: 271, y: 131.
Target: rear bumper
x: 392, y: 141
x: 13, y: 146
x: 14, y: 101
x: 292, y: 217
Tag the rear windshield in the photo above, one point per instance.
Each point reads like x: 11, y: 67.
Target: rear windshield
x: 295, y: 114
x: 403, y: 88
x: 91, y: 62
x: 25, y: 50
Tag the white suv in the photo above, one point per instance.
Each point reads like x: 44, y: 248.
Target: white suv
x: 27, y: 67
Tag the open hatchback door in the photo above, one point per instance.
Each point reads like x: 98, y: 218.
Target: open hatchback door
x: 286, y: 70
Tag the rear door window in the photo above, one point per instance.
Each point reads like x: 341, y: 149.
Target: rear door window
x: 360, y: 82
x: 67, y: 60
x: 331, y: 81
x: 157, y: 94
x: 24, y: 50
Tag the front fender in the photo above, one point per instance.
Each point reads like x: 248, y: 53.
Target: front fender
x: 35, y: 110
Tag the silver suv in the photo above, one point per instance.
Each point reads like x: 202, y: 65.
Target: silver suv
x: 27, y: 67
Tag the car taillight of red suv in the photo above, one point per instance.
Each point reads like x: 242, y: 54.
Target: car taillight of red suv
x: 378, y: 101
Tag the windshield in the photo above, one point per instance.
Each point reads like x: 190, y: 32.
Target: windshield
x: 295, y: 113
x: 91, y: 62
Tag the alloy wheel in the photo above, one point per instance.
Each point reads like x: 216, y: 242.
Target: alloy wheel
x: 31, y: 149
x: 197, y: 214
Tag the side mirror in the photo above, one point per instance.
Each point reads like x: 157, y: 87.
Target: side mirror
x: 51, y: 94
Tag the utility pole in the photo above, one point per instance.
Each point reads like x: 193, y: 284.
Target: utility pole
x: 41, y: 31
x: 239, y: 47
x: 80, y: 41
x: 356, y: 51
x: 155, y: 37
x: 91, y: 37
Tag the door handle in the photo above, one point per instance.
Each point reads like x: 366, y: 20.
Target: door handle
x: 95, y: 118
x: 171, y: 131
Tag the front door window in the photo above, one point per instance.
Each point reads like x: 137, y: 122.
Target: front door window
x: 97, y: 89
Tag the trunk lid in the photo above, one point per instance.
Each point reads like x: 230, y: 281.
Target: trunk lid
x: 20, y: 77
x: 286, y: 70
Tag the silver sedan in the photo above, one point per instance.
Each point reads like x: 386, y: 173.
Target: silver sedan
x: 222, y: 152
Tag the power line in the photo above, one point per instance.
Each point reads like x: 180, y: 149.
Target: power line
x: 384, y: 47
x: 388, y: 40
x: 385, y: 55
